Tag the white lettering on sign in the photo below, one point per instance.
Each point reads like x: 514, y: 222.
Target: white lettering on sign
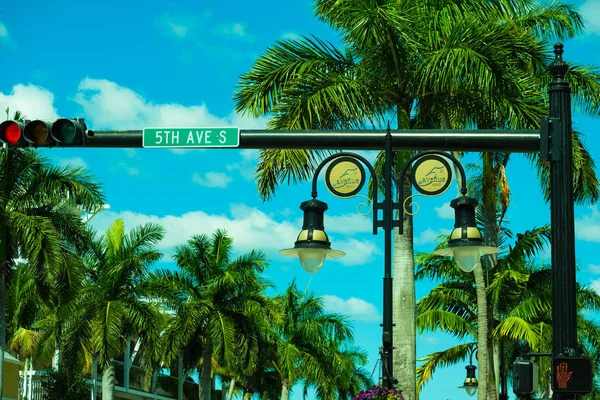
x: 167, y: 137
x: 191, y: 137
x: 201, y: 137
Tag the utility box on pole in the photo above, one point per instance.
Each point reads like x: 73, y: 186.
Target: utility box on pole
x: 525, y: 377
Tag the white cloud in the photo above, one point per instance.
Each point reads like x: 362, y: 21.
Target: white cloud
x: 286, y: 212
x: 177, y: 29
x: 108, y: 105
x: 246, y: 165
x: 212, y: 179
x: 429, y: 236
x: 358, y: 252
x: 587, y: 228
x: 595, y: 285
x: 445, y: 211
x: 290, y: 36
x: 430, y: 340
x: 3, y: 31
x: 74, y: 162
x: 238, y: 29
x: 349, y: 223
x: 130, y: 152
x: 593, y: 268
x: 124, y: 167
x: 180, y: 26
x: 234, y: 29
x: 355, y: 308
x: 590, y: 10
x: 33, y: 101
x: 250, y: 227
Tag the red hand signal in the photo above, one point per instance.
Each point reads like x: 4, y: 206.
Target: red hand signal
x: 563, y: 375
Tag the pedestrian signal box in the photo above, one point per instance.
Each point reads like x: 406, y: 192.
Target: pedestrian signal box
x: 572, y: 375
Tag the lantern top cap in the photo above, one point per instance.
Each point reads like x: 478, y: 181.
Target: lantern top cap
x: 559, y: 67
x: 313, y: 204
x: 463, y: 201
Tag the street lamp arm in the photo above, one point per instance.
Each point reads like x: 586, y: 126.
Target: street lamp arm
x: 400, y: 205
x: 363, y: 160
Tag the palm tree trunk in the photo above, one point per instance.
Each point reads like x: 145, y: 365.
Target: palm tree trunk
x: 404, y: 305
x: 108, y: 382
x: 205, y: 374
x: 285, y: 390
x: 490, y: 184
x: 482, y: 337
x: 231, y: 387
x: 496, y: 348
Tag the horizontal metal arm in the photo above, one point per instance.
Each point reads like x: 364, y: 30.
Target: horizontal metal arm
x: 515, y: 141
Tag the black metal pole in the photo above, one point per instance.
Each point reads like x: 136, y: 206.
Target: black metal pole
x: 3, y: 262
x: 564, y: 311
x: 516, y: 141
x: 388, y: 218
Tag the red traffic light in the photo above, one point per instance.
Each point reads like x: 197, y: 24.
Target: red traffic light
x: 38, y: 133
x: 11, y: 132
x: 572, y: 375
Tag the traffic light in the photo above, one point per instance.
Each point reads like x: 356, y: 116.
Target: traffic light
x: 70, y: 132
x: 11, y: 133
x: 38, y: 133
x: 525, y: 377
x: 63, y: 132
x: 572, y: 375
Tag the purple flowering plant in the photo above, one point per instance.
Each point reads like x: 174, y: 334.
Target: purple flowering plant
x: 378, y: 393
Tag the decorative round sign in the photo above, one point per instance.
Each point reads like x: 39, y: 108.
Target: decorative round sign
x: 431, y: 175
x: 345, y: 177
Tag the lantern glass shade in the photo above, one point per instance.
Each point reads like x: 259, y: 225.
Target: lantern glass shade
x: 312, y: 259
x: 471, y: 390
x: 467, y: 257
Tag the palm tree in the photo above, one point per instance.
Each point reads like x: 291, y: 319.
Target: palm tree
x: 39, y: 212
x: 344, y: 376
x: 455, y: 62
x: 217, y: 300
x: 304, y: 338
x: 111, y: 306
x: 522, y: 291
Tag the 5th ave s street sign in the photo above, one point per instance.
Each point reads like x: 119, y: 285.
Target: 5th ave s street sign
x: 191, y: 137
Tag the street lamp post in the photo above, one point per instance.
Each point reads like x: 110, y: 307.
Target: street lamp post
x: 345, y: 177
x: 466, y: 243
x: 552, y: 142
x: 564, y: 311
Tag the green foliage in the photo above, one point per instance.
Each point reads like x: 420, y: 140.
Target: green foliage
x: 62, y: 385
x: 522, y: 291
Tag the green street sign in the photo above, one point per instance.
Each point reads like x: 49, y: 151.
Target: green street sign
x: 191, y: 137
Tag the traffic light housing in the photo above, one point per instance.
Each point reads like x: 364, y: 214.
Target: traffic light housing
x: 69, y: 132
x: 572, y: 375
x: 525, y: 377
x: 38, y: 133
x: 62, y: 132
x: 11, y: 133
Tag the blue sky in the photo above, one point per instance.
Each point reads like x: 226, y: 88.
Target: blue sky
x: 134, y: 64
